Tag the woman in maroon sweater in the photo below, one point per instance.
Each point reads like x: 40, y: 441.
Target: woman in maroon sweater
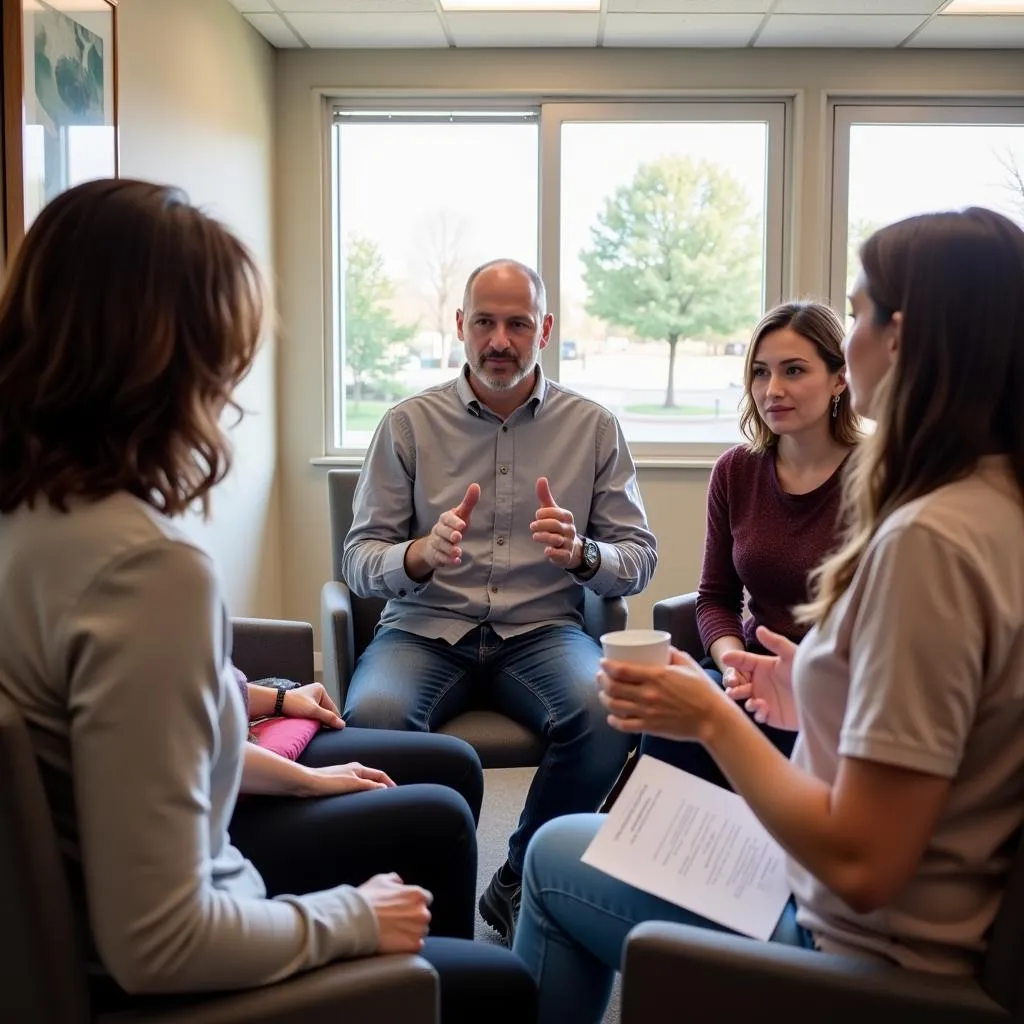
x: 773, y: 502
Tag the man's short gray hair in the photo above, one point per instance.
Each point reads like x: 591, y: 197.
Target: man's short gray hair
x: 535, y: 279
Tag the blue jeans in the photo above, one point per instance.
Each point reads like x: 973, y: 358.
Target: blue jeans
x: 544, y: 679
x: 574, y: 922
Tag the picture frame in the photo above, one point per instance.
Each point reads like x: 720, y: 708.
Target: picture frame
x: 60, y: 104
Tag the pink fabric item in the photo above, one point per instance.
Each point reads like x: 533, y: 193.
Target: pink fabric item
x: 288, y: 737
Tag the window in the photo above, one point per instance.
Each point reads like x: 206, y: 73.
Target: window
x: 891, y: 162
x: 669, y: 247
x: 657, y: 228
x: 420, y: 199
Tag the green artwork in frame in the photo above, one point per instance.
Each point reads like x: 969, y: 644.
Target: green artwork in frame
x: 70, y: 97
x: 69, y: 71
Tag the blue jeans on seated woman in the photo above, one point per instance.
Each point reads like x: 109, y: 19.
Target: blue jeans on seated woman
x: 574, y: 922
x: 693, y: 758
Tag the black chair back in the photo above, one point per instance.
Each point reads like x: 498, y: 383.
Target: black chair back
x: 42, y: 969
x: 1002, y: 975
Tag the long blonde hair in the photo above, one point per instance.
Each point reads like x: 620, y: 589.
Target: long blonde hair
x: 954, y: 391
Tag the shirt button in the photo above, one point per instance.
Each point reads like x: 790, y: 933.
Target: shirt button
x: 494, y: 590
x: 501, y: 540
x: 504, y: 430
x: 402, y: 593
x: 504, y: 470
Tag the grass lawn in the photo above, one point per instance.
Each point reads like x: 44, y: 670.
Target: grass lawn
x: 676, y: 410
x: 364, y: 415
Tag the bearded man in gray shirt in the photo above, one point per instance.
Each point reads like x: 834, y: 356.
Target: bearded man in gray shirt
x: 484, y: 505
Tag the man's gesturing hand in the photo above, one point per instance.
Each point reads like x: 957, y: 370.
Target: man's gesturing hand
x: 442, y: 546
x: 555, y: 529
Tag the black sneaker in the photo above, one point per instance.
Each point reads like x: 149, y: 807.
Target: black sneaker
x: 499, y: 905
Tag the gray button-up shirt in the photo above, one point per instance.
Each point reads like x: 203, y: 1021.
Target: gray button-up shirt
x: 429, y: 448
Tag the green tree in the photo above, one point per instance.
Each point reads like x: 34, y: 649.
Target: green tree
x: 675, y: 254
x: 371, y: 333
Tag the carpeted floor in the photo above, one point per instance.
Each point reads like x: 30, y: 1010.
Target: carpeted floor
x: 504, y: 793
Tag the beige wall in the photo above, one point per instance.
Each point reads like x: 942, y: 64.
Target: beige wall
x: 196, y: 94
x: 674, y: 497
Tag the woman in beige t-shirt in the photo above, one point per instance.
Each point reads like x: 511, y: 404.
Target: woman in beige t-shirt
x: 904, y: 798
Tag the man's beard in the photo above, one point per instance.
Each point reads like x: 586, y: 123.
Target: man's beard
x: 504, y: 383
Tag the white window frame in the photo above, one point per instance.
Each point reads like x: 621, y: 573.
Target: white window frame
x: 775, y: 111
x: 845, y: 113
x: 334, y: 281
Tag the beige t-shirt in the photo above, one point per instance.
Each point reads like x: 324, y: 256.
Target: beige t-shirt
x: 921, y: 665
x: 115, y: 644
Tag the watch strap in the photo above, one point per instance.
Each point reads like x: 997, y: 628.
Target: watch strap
x: 583, y: 571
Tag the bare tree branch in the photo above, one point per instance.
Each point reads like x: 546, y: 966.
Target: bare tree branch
x: 444, y: 232
x: 1015, y: 176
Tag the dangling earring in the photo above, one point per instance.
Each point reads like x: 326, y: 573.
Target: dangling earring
x: 835, y: 406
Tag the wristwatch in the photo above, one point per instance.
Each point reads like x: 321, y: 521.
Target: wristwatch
x: 279, y: 702
x: 590, y: 560
x: 282, y: 686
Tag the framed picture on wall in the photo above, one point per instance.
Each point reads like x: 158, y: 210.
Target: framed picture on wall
x: 60, y: 102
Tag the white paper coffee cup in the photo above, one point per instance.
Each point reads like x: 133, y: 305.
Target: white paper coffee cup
x: 637, y: 646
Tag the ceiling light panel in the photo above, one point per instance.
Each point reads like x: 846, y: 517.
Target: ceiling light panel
x: 521, y: 5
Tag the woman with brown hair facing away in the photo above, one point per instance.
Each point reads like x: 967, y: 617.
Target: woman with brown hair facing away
x: 773, y: 503
x: 126, y: 321
x: 904, y: 798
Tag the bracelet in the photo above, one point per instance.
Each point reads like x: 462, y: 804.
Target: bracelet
x: 279, y: 703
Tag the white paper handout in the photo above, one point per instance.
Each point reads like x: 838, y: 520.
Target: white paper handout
x: 696, y: 845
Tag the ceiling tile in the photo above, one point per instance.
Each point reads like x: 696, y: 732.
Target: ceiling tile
x: 688, y: 6
x: 479, y: 28
x: 837, y: 29
x: 857, y: 6
x: 369, y: 31
x: 963, y: 30
x: 680, y: 29
x: 273, y: 29
x: 355, y: 6
x: 252, y: 6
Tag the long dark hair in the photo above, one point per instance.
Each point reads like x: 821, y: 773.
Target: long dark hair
x: 954, y: 392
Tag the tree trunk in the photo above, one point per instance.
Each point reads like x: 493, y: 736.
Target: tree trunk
x: 443, y: 330
x: 670, y: 389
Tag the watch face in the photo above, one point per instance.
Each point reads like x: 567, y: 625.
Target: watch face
x: 590, y: 553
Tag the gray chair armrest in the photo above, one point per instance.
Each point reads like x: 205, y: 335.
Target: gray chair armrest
x: 263, y: 648
x: 337, y: 639
x: 603, y: 614
x: 675, y: 971
x: 678, y: 616
x: 377, y: 990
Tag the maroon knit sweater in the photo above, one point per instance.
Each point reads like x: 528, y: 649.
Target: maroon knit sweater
x: 764, y: 540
